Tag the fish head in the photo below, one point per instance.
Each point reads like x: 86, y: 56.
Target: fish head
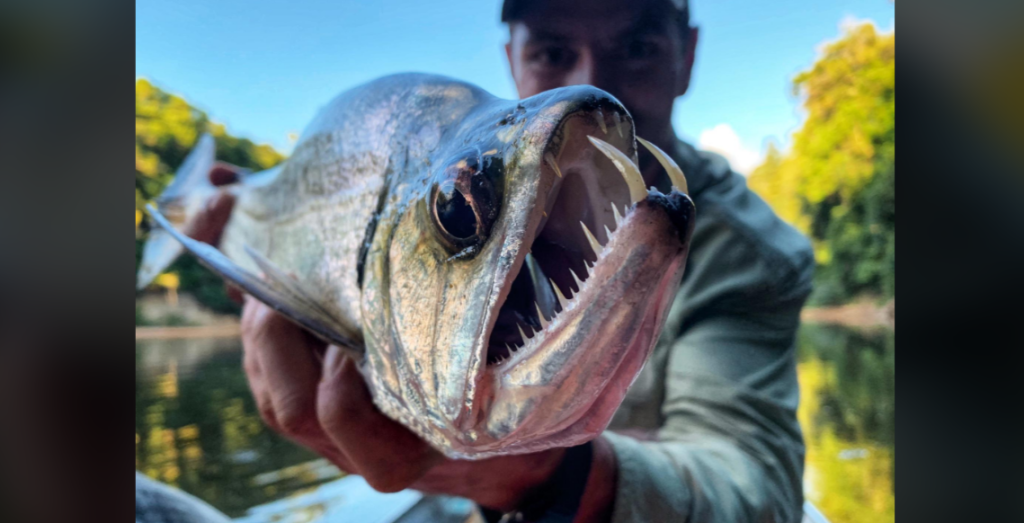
x: 516, y: 285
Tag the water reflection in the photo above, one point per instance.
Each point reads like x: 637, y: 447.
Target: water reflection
x: 197, y: 426
x: 847, y: 411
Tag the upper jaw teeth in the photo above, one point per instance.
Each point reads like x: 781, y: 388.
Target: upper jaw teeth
x: 671, y: 167
x: 600, y: 122
x: 546, y: 311
x: 550, y: 159
x: 626, y: 167
x: 631, y: 173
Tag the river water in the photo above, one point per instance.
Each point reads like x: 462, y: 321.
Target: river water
x: 196, y: 425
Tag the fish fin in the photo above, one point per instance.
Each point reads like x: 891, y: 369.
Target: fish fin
x: 194, y: 171
x: 161, y: 250
x: 298, y: 291
x: 278, y: 296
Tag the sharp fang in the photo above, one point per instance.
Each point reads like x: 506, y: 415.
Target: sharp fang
x: 671, y: 167
x: 543, y: 320
x: 545, y: 298
x: 600, y: 122
x: 625, y: 166
x: 607, y: 233
x: 521, y: 333
x: 550, y: 158
x: 618, y: 215
x: 579, y: 283
x: 594, y: 244
x: 618, y: 123
x: 562, y: 302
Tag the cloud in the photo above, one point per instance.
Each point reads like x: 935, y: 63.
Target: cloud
x: 849, y: 22
x: 722, y: 139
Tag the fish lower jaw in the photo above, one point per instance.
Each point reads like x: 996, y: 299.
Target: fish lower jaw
x: 534, y: 340
x: 564, y: 385
x: 525, y: 410
x: 635, y: 229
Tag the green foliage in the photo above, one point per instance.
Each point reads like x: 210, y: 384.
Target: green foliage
x: 837, y: 184
x: 166, y: 129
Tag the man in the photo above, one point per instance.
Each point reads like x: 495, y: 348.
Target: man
x: 708, y: 433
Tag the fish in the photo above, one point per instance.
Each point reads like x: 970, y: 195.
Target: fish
x: 497, y: 267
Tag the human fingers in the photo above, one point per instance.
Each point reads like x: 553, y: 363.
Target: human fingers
x: 385, y: 453
x: 224, y: 173
x: 251, y: 364
x: 234, y: 293
x: 262, y: 372
x: 210, y: 222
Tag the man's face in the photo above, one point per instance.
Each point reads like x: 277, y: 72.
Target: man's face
x: 633, y: 50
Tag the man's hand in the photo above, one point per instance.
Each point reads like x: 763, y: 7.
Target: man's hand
x: 328, y: 408
x: 209, y: 224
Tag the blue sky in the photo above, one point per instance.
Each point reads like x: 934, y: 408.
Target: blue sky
x: 264, y: 67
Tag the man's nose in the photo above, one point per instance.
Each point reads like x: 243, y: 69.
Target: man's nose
x: 590, y: 70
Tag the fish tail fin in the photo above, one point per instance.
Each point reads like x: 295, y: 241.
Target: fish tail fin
x: 160, y: 251
x: 181, y: 201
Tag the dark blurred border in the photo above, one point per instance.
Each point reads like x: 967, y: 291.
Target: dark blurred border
x: 66, y: 244
x: 961, y: 268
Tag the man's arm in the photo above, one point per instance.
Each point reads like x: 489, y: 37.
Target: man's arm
x: 729, y: 448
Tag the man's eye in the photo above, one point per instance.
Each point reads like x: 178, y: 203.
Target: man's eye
x: 641, y: 50
x: 552, y: 57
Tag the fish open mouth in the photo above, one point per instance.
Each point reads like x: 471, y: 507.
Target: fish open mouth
x: 595, y: 191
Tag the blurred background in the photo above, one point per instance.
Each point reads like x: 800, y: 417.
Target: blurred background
x: 798, y: 96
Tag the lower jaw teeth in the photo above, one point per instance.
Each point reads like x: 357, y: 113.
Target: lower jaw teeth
x: 550, y: 300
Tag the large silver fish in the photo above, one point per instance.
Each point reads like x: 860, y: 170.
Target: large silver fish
x: 498, y: 266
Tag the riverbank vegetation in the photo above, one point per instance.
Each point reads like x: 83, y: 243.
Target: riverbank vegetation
x: 837, y: 181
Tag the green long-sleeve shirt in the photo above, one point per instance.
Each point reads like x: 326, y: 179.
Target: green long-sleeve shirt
x: 719, y: 393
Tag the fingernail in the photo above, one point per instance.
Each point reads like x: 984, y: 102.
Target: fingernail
x: 333, y: 360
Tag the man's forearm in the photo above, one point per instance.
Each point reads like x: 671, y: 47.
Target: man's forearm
x: 712, y: 481
x: 599, y: 497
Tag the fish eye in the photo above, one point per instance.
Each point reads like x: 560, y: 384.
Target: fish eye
x: 455, y: 216
x: 463, y: 200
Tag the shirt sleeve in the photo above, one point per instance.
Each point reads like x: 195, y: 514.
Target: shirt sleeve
x: 729, y: 448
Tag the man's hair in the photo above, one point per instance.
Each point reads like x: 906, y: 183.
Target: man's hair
x: 683, y: 22
x: 513, y: 10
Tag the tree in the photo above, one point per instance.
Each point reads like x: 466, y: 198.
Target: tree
x: 837, y: 184
x: 166, y: 129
